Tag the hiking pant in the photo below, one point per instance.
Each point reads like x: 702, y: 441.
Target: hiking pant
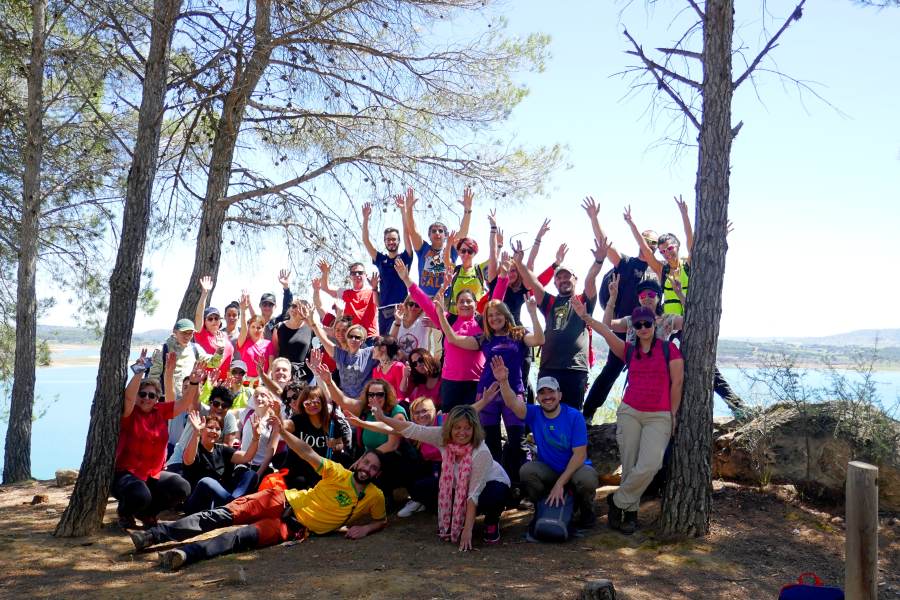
x: 538, y: 479
x: 210, y: 493
x: 512, y: 455
x: 642, y: 438
x: 603, y: 383
x: 492, y: 501
x: 261, y: 513
x: 454, y: 393
x: 148, y: 498
x: 572, y: 384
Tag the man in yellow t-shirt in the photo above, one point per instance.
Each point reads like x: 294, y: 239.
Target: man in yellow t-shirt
x: 272, y: 516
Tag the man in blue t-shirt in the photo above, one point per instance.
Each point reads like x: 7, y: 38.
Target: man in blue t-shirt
x: 391, y: 290
x: 561, y: 439
x: 431, y: 262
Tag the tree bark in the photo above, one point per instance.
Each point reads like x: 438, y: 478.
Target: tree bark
x: 84, y: 514
x: 688, y: 493
x: 17, y: 453
x: 208, y: 250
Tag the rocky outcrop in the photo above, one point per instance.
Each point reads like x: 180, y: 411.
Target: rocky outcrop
x: 65, y: 477
x: 809, y: 448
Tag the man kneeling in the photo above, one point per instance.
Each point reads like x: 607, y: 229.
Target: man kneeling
x: 274, y: 516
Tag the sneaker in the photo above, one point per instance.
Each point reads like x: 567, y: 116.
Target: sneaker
x: 615, y: 514
x: 629, y: 522
x: 491, y: 534
x: 172, y: 559
x: 141, y: 539
x: 412, y: 507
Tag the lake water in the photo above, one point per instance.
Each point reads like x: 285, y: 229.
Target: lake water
x: 58, y: 437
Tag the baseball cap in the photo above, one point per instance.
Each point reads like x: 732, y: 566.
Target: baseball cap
x: 184, y: 325
x: 238, y: 364
x: 211, y: 311
x: 267, y: 297
x: 649, y: 284
x: 565, y: 267
x: 548, y: 382
x: 642, y: 313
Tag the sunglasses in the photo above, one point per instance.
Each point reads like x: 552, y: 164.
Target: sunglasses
x: 647, y: 294
x: 312, y: 401
x: 375, y: 394
x: 412, y: 305
x: 465, y: 250
x: 238, y: 373
x: 291, y: 397
x: 651, y: 243
x: 295, y: 306
x: 436, y: 230
x: 272, y: 304
x: 668, y: 249
x: 417, y: 362
x: 357, y: 338
x: 151, y: 395
x: 357, y: 273
x: 217, y: 403
x: 638, y: 325
x: 213, y: 318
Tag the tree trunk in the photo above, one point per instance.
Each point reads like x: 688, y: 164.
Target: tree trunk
x: 208, y: 251
x: 17, y: 455
x: 687, y: 497
x: 84, y: 514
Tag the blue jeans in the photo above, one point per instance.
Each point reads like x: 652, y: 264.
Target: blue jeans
x: 210, y: 493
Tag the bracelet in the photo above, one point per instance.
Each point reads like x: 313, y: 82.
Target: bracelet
x: 193, y: 383
x: 493, y: 229
x: 599, y: 262
x: 467, y: 211
x: 537, y: 242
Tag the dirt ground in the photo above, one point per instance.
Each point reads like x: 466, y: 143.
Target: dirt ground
x: 759, y: 541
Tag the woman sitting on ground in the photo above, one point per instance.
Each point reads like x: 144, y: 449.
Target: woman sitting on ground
x: 140, y: 484
x: 262, y: 404
x: 219, y: 401
x: 210, y: 467
x: 647, y: 415
x: 324, y: 428
x: 422, y: 376
x: 470, y: 482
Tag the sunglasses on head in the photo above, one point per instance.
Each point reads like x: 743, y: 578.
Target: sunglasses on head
x: 355, y: 337
x: 217, y: 403
x: 638, y: 325
x: 647, y: 294
x: 151, y: 395
x: 375, y: 394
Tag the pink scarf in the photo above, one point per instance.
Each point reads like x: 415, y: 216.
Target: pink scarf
x: 452, y: 497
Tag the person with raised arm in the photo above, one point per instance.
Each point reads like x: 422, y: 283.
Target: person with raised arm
x: 219, y: 400
x: 431, y: 263
x: 503, y: 338
x: 410, y: 328
x: 468, y: 275
x: 648, y: 413
x: 262, y: 404
x: 359, y: 301
x: 422, y: 377
x: 208, y: 331
x: 471, y: 481
x: 293, y: 339
x: 561, y: 439
x: 272, y: 516
x: 564, y: 355
x: 391, y: 290
x: 140, y: 484
x: 210, y: 466
x: 267, y: 305
x: 255, y: 349
x: 462, y: 367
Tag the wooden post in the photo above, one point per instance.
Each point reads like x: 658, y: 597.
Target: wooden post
x: 861, y: 577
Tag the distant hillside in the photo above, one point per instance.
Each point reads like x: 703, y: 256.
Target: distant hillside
x: 886, y: 338
x: 59, y: 334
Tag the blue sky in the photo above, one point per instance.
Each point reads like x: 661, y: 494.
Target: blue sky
x: 814, y: 191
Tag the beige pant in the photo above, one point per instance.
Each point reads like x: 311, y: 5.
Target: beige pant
x: 538, y: 479
x: 642, y: 439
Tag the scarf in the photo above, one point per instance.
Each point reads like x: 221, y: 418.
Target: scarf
x: 452, y: 496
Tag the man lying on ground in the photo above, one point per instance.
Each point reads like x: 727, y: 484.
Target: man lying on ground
x: 273, y: 516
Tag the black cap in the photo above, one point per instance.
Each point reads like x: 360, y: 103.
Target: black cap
x: 649, y: 284
x: 267, y: 297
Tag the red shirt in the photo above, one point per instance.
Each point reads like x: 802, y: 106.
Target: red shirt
x: 142, y: 441
x: 648, y: 379
x: 360, y: 304
x: 393, y: 376
x: 207, y: 341
x: 422, y: 390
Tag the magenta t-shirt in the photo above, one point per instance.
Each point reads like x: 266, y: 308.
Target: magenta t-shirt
x: 251, y: 352
x: 648, y: 379
x: 394, y: 375
x: 207, y: 341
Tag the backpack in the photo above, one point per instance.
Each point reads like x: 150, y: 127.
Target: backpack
x: 813, y: 591
x: 603, y: 294
x: 479, y: 274
x: 553, y: 523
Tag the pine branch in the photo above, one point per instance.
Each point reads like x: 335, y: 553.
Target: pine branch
x: 770, y: 45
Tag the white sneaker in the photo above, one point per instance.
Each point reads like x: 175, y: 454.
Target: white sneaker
x: 411, y: 508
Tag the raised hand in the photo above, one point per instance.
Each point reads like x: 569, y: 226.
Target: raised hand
x: 492, y: 218
x: 492, y: 390
x: 398, y: 202
x: 402, y: 271
x: 545, y: 227
x: 578, y: 306
x: 206, y: 284
x: 682, y: 205
x: 499, y: 238
x: 627, y: 215
x: 518, y: 252
x: 505, y: 265
x: 676, y: 284
x: 613, y: 285
x: 438, y: 304
x: 284, y: 278
x: 590, y: 207
x: 257, y: 426
x: 305, y: 312
x: 171, y: 358
x: 314, y: 359
x: 367, y: 209
x: 448, y: 281
x: 400, y: 311
x: 142, y: 358
x: 324, y: 267
x: 561, y: 253
x: 198, y: 374
x: 600, y: 249
x: 260, y: 365
x: 531, y: 305
x: 316, y: 284
x: 245, y: 300
x: 468, y: 197
x: 373, y: 280
x: 499, y: 368
x: 453, y: 238
x: 196, y: 420
x: 323, y: 374
x: 274, y: 422
x: 377, y: 412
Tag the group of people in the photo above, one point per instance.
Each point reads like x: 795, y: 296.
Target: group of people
x: 394, y: 394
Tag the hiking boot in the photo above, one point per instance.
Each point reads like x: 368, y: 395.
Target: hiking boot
x: 491, y: 534
x: 172, y: 559
x: 149, y: 522
x: 412, y: 507
x: 615, y: 514
x: 629, y: 522
x: 586, y: 520
x: 141, y: 539
x: 126, y: 522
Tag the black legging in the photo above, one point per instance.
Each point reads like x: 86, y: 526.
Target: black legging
x: 139, y: 498
x: 511, y: 456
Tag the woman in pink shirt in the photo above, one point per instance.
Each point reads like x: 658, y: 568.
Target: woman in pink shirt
x: 209, y: 335
x: 385, y: 351
x: 422, y: 377
x: 645, y: 420
x: 462, y: 367
x: 254, y: 348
